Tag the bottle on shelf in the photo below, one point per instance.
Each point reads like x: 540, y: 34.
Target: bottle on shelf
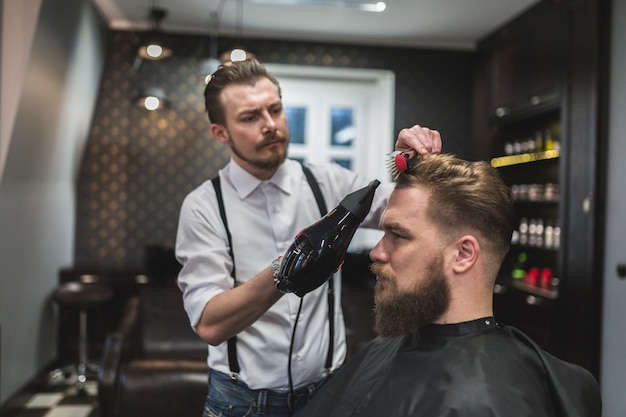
x: 538, y: 141
x: 523, y: 231
x: 535, y: 192
x: 545, y: 279
x: 519, y: 268
x: 530, y: 145
x: 539, y: 233
x: 548, y: 234
x: 515, y: 237
x: 532, y: 232
x: 549, y: 142
x: 557, y: 235
x: 551, y: 192
x: 532, y: 276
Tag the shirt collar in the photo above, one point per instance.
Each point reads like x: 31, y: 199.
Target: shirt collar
x: 245, y: 183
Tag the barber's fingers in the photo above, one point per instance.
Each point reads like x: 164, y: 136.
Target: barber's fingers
x: 420, y: 140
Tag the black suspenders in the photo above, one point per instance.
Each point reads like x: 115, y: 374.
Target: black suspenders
x: 232, y: 342
x: 315, y: 187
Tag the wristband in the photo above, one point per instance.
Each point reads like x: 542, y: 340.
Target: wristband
x: 276, y: 270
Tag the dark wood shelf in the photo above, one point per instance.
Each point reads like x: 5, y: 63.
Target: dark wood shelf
x: 532, y: 110
x: 551, y: 293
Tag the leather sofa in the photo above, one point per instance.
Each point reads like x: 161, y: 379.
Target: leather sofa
x: 153, y: 364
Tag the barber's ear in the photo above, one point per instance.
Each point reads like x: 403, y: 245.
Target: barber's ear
x: 467, y: 251
x: 220, y: 132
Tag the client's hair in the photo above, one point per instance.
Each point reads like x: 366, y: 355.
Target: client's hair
x: 465, y: 196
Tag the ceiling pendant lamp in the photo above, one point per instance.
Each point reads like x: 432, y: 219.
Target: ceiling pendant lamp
x: 151, y: 98
x: 154, y: 46
x: 235, y: 54
x: 207, y: 66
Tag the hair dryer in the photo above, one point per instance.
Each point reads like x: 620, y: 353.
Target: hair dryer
x: 317, y: 252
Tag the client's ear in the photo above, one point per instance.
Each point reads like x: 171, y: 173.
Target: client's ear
x: 467, y: 251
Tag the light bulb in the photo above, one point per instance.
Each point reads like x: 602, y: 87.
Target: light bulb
x: 152, y: 103
x: 237, y: 55
x: 154, y: 51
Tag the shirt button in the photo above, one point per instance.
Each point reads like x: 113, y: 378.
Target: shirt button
x: 296, y: 357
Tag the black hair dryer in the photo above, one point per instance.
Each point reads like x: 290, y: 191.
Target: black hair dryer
x: 317, y: 252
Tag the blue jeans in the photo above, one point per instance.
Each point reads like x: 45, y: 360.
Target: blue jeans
x: 228, y: 398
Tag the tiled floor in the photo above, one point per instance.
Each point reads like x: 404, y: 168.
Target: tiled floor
x: 42, y: 399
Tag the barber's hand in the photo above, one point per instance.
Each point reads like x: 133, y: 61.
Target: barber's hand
x: 418, y: 140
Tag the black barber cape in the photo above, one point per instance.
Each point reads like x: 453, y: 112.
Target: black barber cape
x: 476, y: 368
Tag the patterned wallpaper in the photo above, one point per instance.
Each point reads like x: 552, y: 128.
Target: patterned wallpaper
x: 139, y: 165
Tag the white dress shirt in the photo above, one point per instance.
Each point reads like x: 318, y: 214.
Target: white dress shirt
x: 264, y: 218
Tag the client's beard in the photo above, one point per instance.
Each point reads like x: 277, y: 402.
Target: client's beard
x: 400, y: 313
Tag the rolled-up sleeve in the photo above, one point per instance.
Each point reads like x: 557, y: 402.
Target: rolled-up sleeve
x: 202, y: 251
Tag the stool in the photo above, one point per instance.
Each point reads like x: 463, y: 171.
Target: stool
x: 80, y: 295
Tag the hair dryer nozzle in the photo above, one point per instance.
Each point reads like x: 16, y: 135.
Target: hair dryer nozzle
x: 359, y: 202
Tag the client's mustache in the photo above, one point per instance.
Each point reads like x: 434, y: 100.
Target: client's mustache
x: 377, y: 269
